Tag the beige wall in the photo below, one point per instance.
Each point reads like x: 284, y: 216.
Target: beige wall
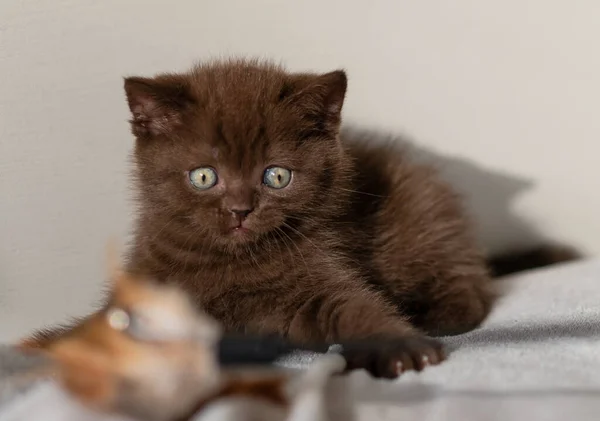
x: 504, y: 93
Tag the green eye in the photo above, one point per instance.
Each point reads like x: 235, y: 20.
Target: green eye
x: 203, y: 178
x: 277, y: 177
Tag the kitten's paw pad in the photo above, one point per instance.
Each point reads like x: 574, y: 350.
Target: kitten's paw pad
x: 390, y: 358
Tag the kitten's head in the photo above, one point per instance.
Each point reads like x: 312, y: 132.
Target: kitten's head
x: 235, y: 151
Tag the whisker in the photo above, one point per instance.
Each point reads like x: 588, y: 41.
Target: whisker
x: 189, y: 250
x: 155, y: 236
x: 297, y: 248
x: 249, y: 250
x: 303, y: 236
x: 283, y: 233
x: 362, y: 192
x: 317, y: 222
x: 273, y: 244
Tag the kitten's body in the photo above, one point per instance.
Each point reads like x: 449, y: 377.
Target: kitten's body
x: 397, y: 235
x: 361, y: 243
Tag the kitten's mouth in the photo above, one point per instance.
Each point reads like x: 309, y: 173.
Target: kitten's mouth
x: 240, y: 228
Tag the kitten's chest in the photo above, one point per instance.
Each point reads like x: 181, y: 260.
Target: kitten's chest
x: 244, y: 301
x: 231, y: 281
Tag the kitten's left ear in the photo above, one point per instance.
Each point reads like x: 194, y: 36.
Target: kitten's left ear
x: 330, y: 89
x: 157, y: 104
x: 321, y: 100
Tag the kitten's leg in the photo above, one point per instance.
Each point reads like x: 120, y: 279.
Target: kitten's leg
x: 343, y: 314
x: 426, y: 257
x: 423, y: 250
x: 440, y: 282
x: 451, y: 306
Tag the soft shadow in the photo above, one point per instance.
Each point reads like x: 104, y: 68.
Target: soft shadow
x: 488, y: 194
x: 416, y: 393
x: 526, y: 332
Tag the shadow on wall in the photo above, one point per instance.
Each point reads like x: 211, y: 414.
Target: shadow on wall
x: 489, y: 195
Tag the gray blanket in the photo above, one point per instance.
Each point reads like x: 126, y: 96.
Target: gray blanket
x: 28, y: 392
x: 536, y: 358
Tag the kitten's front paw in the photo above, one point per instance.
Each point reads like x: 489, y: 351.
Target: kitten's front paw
x: 389, y: 358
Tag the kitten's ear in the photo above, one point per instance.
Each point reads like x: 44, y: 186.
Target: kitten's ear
x: 321, y: 99
x: 330, y: 90
x: 157, y: 104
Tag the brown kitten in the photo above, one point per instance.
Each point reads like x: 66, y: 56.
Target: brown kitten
x: 242, y: 177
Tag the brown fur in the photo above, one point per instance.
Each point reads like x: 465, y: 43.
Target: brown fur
x: 361, y: 243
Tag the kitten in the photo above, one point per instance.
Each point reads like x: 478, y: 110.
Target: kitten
x: 242, y: 177
x: 250, y: 200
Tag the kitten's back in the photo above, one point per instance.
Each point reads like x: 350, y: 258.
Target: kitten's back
x: 389, y: 169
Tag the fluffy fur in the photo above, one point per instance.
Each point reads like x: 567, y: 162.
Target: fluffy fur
x: 361, y: 243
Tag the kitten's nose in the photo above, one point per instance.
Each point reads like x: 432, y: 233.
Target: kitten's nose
x: 241, y: 213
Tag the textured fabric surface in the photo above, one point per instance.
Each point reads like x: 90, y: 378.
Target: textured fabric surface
x: 314, y: 395
x: 537, y: 357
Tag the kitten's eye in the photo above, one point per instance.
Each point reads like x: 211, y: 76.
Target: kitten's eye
x: 277, y: 177
x: 203, y: 178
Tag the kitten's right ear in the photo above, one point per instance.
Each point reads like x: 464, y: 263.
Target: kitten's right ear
x: 157, y: 104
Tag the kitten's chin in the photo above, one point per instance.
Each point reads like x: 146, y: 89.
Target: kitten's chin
x: 234, y: 237
x: 241, y: 232
x: 239, y: 235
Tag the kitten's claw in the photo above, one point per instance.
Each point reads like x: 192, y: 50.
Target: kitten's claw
x: 390, y: 358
